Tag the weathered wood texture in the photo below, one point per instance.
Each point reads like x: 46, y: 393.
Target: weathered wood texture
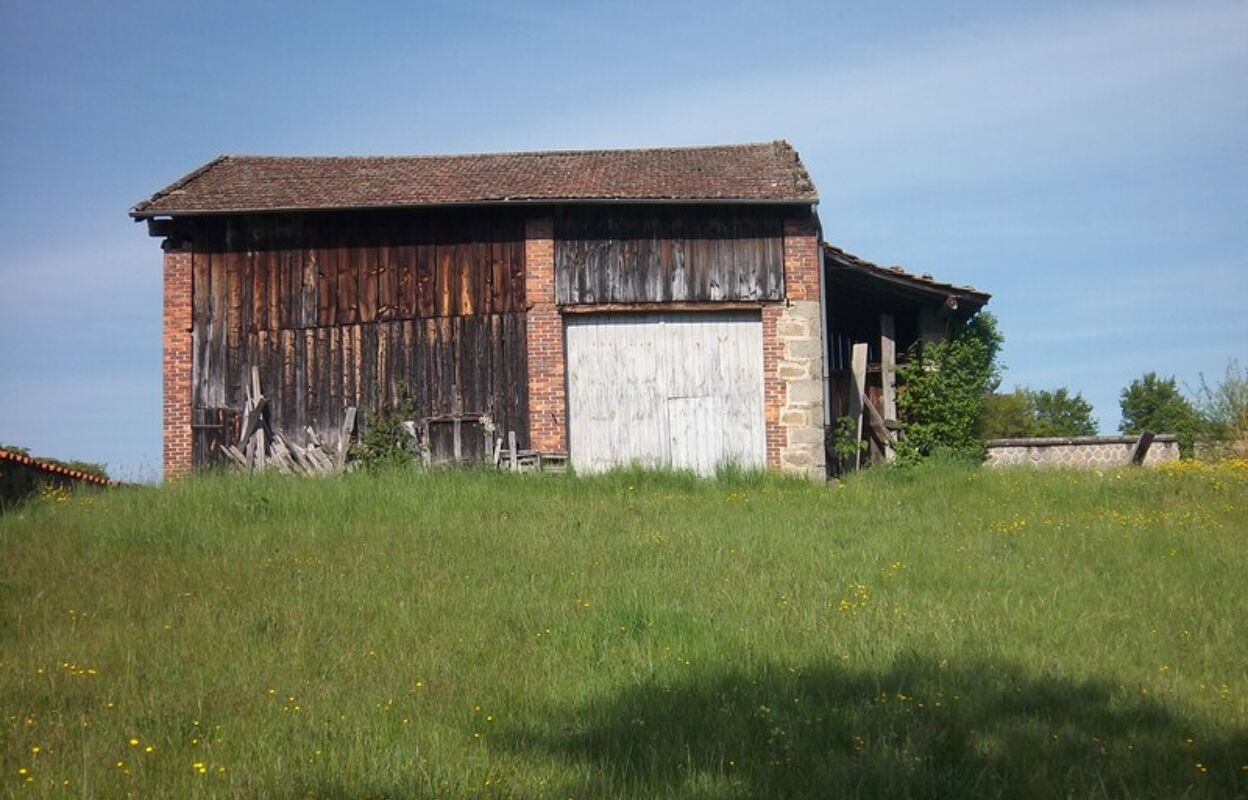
x: 378, y: 312
x: 211, y: 428
x: 306, y: 271
x: 661, y: 254
x: 675, y: 390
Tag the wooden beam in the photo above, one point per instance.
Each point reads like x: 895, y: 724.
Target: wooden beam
x: 858, y: 375
x: 1140, y: 450
x: 344, y: 439
x: 888, y: 363
x: 641, y: 308
x: 880, y: 429
x: 888, y: 377
x: 252, y: 419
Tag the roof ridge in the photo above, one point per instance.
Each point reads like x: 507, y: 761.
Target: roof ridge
x: 781, y: 143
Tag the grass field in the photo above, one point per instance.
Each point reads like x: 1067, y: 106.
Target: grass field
x: 931, y: 632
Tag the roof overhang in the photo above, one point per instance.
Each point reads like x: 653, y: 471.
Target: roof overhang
x: 963, y: 300
x: 139, y: 215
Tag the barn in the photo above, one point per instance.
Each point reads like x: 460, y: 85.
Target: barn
x: 654, y: 306
x: 659, y: 306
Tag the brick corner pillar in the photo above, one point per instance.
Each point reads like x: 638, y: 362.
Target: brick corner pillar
x: 544, y: 340
x: 176, y: 367
x: 773, y: 385
x: 793, y: 358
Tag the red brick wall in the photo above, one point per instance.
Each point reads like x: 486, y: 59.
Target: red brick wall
x: 177, y: 362
x: 773, y: 387
x: 547, y: 394
x: 801, y: 258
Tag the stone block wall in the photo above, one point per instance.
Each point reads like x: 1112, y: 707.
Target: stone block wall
x: 1081, y: 452
x: 793, y: 359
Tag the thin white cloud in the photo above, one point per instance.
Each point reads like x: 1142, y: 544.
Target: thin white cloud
x: 1052, y: 93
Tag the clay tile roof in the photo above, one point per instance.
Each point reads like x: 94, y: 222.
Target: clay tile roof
x: 770, y: 172
x: 838, y: 258
x: 56, y: 469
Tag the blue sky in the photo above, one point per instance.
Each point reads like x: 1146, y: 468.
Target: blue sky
x: 1087, y: 163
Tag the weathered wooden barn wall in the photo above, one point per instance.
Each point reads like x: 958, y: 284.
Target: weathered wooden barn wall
x: 664, y: 253
x: 367, y: 310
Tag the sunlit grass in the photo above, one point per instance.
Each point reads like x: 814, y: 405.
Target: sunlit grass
x: 936, y: 632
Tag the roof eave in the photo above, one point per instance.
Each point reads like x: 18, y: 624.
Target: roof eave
x: 138, y: 214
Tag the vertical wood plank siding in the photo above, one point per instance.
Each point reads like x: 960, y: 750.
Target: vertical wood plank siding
x: 658, y: 254
x: 667, y: 389
x: 377, y: 311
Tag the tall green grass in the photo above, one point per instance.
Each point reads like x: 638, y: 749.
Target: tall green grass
x: 930, y: 632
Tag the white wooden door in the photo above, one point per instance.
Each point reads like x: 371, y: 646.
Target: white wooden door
x: 682, y: 390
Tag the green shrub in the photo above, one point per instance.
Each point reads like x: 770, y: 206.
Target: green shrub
x: 945, y: 388
x: 384, y: 442
x: 1224, y: 408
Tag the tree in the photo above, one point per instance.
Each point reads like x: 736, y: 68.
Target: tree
x: 1060, y: 413
x: 1224, y: 409
x: 945, y: 389
x: 1156, y: 404
x: 1038, y: 412
x: 1009, y: 416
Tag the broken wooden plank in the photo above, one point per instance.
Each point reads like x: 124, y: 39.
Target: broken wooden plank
x: 234, y: 455
x: 280, y: 457
x: 252, y: 418
x: 297, y: 457
x: 1140, y: 451
x: 324, y: 462
x: 344, y: 438
x: 877, y: 423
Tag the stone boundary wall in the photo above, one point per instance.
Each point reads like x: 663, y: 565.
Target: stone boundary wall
x: 1084, y: 452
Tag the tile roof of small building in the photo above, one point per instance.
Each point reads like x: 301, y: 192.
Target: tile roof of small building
x: 55, y: 469
x: 763, y: 173
x: 897, y: 274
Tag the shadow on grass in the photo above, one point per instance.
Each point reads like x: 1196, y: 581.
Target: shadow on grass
x: 919, y: 729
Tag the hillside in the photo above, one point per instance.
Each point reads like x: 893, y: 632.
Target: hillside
x: 932, y: 632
